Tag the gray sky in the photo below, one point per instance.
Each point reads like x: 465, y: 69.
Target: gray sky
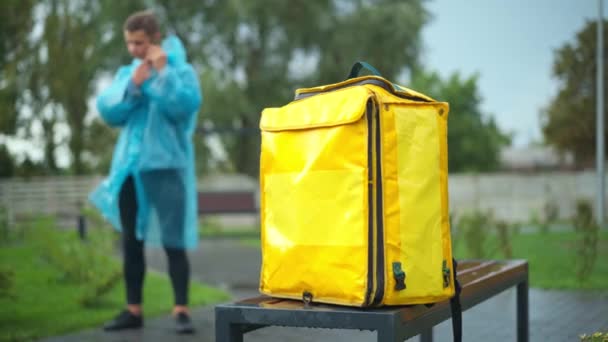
x: 511, y: 44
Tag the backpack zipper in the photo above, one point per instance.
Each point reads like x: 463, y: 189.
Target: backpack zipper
x: 379, y: 295
x: 370, y: 205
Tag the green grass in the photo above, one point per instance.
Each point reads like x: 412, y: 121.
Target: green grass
x: 552, y: 259
x: 251, y: 242
x: 237, y: 233
x: 211, y: 228
x: 43, y: 305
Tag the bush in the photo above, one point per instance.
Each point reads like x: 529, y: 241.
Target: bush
x: 80, y: 261
x: 473, y: 227
x: 587, y: 230
x: 596, y: 337
x: 4, y: 228
x: 504, y: 239
x: 484, y: 236
x: 550, y: 215
x: 6, y: 283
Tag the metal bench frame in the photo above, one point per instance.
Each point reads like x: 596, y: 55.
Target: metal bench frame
x: 480, y: 281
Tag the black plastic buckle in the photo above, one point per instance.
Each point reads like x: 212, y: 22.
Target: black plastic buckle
x: 307, y: 298
x: 446, y: 274
x: 399, y: 276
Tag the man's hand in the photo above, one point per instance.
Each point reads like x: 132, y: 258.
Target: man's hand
x: 141, y: 74
x: 156, y: 57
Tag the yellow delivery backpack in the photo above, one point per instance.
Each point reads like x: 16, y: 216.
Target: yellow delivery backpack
x: 354, y: 197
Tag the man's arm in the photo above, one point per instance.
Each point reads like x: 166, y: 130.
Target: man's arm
x: 176, y: 90
x: 119, y: 99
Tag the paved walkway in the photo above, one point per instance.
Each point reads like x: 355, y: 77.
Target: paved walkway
x: 554, y: 315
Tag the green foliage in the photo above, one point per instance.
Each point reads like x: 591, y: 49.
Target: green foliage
x: 260, y: 51
x: 569, y: 120
x: 550, y: 214
x: 7, y: 162
x: 485, y: 236
x: 94, y: 218
x: 5, y: 233
x: 474, y: 227
x: 595, y: 337
x: 29, y: 168
x: 100, y: 139
x: 15, y: 24
x: 43, y: 306
x: 6, y: 282
x: 79, y: 262
x: 72, y: 31
x: 587, y: 230
x: 210, y: 227
x: 93, y: 296
x: 474, y: 138
x: 251, y: 55
x: 552, y: 259
x: 48, y: 78
x: 504, y: 238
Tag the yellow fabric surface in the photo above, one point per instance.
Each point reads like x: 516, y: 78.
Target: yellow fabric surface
x: 314, y: 196
x: 335, y: 108
x: 313, y: 247
x: 419, y: 185
x: 314, y: 199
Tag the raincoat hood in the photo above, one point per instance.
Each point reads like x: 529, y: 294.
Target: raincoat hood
x: 176, y: 53
x: 175, y: 50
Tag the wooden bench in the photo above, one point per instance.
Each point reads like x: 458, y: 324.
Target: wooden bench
x: 230, y: 202
x: 480, y: 281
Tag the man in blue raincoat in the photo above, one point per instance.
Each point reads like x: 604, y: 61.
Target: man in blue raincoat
x: 150, y: 193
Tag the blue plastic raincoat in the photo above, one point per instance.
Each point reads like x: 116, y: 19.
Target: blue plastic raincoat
x: 157, y: 122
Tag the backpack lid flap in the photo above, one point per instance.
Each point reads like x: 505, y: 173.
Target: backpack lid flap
x: 334, y: 108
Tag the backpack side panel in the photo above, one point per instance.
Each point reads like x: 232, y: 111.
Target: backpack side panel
x: 417, y: 236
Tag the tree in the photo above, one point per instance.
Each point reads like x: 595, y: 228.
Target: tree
x: 49, y: 77
x: 251, y: 53
x: 568, y: 122
x: 474, y: 139
x: 7, y: 162
x: 29, y: 168
x: 15, y: 24
x: 81, y: 38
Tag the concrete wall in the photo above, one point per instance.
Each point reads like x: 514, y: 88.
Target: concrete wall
x: 515, y: 197
x: 512, y: 197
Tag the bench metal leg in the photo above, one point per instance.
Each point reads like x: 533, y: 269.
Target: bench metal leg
x: 388, y: 333
x: 522, y: 312
x: 427, y: 335
x: 227, y: 332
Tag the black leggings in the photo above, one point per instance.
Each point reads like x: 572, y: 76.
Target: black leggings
x: 134, y: 267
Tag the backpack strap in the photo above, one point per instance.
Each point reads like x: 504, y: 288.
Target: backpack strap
x: 354, y: 71
x: 456, y: 308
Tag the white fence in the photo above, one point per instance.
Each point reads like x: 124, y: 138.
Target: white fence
x: 59, y: 196
x: 63, y: 196
x: 512, y: 197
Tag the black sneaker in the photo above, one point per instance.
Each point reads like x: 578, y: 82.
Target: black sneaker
x: 124, y: 320
x: 183, y: 325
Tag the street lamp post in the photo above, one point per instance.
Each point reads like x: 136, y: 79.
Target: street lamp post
x: 600, y: 116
